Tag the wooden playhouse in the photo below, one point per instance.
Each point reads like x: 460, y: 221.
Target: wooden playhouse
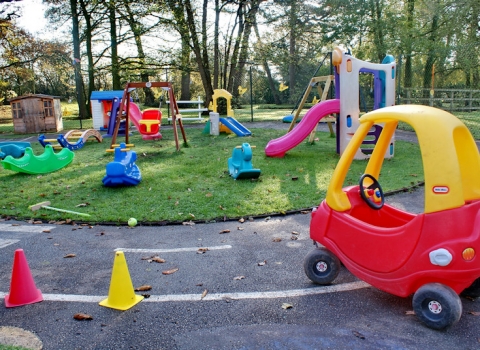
x: 36, y: 113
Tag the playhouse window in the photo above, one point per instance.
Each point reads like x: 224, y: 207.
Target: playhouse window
x: 16, y: 110
x: 47, y: 108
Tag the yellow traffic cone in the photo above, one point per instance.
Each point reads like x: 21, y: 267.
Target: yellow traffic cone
x: 121, y: 295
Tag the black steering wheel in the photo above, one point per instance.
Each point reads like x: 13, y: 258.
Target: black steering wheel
x: 373, y: 194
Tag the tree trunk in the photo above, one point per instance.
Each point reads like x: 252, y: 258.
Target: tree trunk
x: 250, y: 19
x: 137, y: 31
x: 408, y: 51
x: 236, y: 49
x: 77, y: 63
x: 428, y: 70
x: 271, y: 83
x: 216, y: 58
x: 185, y: 88
x: 292, y: 65
x: 88, y: 43
x: 113, y: 46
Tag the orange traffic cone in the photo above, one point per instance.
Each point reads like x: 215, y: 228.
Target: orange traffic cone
x: 121, y: 295
x: 22, y: 286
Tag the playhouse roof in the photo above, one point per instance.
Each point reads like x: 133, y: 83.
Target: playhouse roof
x: 24, y: 97
x: 106, y: 95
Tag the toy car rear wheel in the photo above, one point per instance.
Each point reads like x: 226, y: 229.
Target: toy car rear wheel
x: 473, y: 291
x: 437, y: 306
x: 321, y: 266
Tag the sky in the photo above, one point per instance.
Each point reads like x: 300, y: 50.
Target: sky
x: 33, y: 18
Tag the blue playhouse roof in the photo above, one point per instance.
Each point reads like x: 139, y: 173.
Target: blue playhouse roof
x: 106, y: 95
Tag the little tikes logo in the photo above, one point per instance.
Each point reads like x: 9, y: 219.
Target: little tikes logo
x: 441, y: 189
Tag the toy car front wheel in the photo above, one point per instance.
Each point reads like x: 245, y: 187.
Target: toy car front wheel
x: 437, y: 306
x: 321, y: 266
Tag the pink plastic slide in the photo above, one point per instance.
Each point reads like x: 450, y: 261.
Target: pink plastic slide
x: 278, y: 147
x: 135, y: 115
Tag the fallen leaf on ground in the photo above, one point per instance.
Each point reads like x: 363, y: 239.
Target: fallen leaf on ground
x: 286, y: 306
x: 169, y: 272
x: 192, y: 215
x: 157, y: 259
x: 46, y: 231
x: 277, y: 239
x: 358, y: 334
x: 262, y: 263
x: 204, y: 294
x: 208, y: 194
x: 240, y: 228
x: 82, y: 317
x: 188, y: 223
x: 295, y: 233
x: 242, y: 220
x: 238, y: 278
x: 294, y: 238
x: 304, y: 212
x: 81, y: 205
x: 70, y: 256
x: 143, y: 288
x: 224, y: 231
x: 410, y: 313
x: 474, y: 313
x: 202, y: 250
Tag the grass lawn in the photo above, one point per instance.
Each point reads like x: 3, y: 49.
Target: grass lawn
x: 193, y: 184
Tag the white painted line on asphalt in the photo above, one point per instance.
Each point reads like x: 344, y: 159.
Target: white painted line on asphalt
x: 172, y: 250
x: 6, y: 242
x: 26, y: 228
x: 261, y: 295
x: 345, y: 287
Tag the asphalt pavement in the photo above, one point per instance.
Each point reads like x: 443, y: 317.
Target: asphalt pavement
x: 223, y: 285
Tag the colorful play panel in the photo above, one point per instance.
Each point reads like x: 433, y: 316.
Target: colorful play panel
x: 240, y: 164
x: 47, y: 162
x: 122, y: 171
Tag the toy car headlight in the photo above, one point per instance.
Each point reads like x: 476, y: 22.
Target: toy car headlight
x: 440, y: 257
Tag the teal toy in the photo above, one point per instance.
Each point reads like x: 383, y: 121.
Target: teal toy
x: 14, y: 149
x: 47, y: 162
x: 240, y: 164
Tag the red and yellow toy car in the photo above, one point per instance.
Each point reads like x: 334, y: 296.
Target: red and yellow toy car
x: 432, y: 255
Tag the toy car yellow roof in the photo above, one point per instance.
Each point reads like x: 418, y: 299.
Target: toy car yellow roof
x: 450, y: 156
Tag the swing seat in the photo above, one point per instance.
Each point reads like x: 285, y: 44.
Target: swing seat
x: 150, y: 122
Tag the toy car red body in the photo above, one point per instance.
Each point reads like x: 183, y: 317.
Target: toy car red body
x: 432, y: 255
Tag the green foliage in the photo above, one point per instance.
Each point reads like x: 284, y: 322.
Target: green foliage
x: 193, y: 184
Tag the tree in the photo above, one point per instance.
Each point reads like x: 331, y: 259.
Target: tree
x: 77, y: 62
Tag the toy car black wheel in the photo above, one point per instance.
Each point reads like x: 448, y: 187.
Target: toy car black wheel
x: 321, y: 266
x: 437, y: 306
x: 375, y: 188
x: 473, y: 291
